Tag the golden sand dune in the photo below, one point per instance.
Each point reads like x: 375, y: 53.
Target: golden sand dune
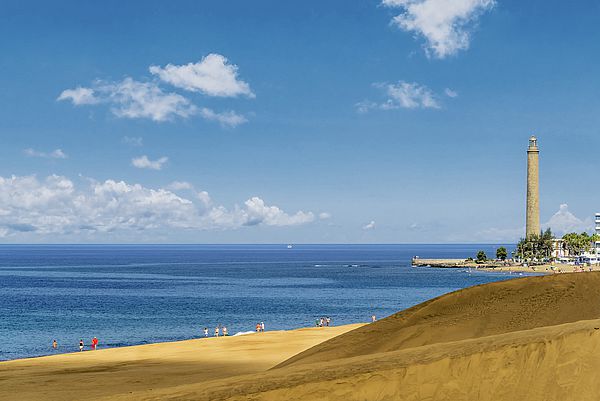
x: 478, y: 311
x: 536, y: 338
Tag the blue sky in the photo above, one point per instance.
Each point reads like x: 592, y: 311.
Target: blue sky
x: 269, y: 121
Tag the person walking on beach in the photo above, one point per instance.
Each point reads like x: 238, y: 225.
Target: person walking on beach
x: 206, y: 332
x: 80, y: 345
x: 217, y: 331
x: 373, y: 318
x: 94, y: 343
x: 327, y: 321
x: 258, y: 327
x: 54, y: 344
x: 262, y: 326
x: 225, y: 331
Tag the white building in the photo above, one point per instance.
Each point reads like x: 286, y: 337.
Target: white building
x: 598, y: 232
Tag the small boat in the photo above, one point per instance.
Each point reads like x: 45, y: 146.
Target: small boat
x: 289, y: 246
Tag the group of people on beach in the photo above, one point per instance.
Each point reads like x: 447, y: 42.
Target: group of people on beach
x: 219, y: 331
x: 323, y: 322
x: 93, y: 344
x: 222, y: 330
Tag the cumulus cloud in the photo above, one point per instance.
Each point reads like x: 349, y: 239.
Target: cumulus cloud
x: 55, y: 154
x: 179, y: 185
x: 450, y: 93
x: 133, y: 140
x: 212, y: 76
x: 133, y: 99
x: 79, y: 96
x: 445, y: 25
x: 129, y: 98
x: 144, y: 162
x: 228, y: 118
x: 369, y: 226
x: 563, y: 221
x: 55, y: 205
x: 407, y: 95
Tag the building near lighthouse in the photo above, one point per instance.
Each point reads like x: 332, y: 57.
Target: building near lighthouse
x: 597, y: 220
x: 532, y: 224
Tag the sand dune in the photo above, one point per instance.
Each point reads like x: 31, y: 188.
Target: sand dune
x: 544, y: 364
x: 478, y: 311
x: 536, y: 338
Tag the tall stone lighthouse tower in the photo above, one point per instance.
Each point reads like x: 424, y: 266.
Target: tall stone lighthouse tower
x: 533, y: 189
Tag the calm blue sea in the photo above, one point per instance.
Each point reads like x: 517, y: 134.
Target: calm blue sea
x: 128, y: 295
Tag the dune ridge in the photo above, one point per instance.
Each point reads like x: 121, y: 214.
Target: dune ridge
x: 549, y: 363
x: 478, y: 311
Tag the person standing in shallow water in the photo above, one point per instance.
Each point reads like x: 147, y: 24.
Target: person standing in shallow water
x: 80, y: 345
x: 54, y: 344
x: 217, y: 331
x: 206, y: 332
x: 94, y: 343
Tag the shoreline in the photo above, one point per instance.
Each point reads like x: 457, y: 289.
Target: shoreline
x: 59, y: 354
x: 116, y: 372
x: 547, y: 268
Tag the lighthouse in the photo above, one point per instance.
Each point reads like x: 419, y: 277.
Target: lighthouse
x: 532, y: 225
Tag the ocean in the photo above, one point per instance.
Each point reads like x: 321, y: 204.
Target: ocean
x: 138, y: 294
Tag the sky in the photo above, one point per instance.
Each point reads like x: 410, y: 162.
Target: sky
x: 385, y: 121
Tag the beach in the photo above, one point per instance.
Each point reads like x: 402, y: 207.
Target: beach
x: 534, y: 338
x: 140, y: 371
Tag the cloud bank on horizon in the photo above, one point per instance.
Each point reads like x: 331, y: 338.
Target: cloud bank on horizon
x: 57, y: 206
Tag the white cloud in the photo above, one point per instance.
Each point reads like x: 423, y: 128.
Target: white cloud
x: 450, y: 93
x: 369, y: 226
x: 179, y: 185
x: 213, y: 76
x: 324, y: 216
x: 563, y: 222
x: 55, y: 154
x: 407, y: 95
x: 133, y: 140
x: 445, y: 24
x: 228, y: 118
x: 133, y: 99
x: 204, y: 197
x: 56, y: 206
x: 79, y: 96
x: 144, y: 162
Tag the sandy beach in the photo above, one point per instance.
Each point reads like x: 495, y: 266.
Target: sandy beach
x: 534, y: 338
x: 146, y: 369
